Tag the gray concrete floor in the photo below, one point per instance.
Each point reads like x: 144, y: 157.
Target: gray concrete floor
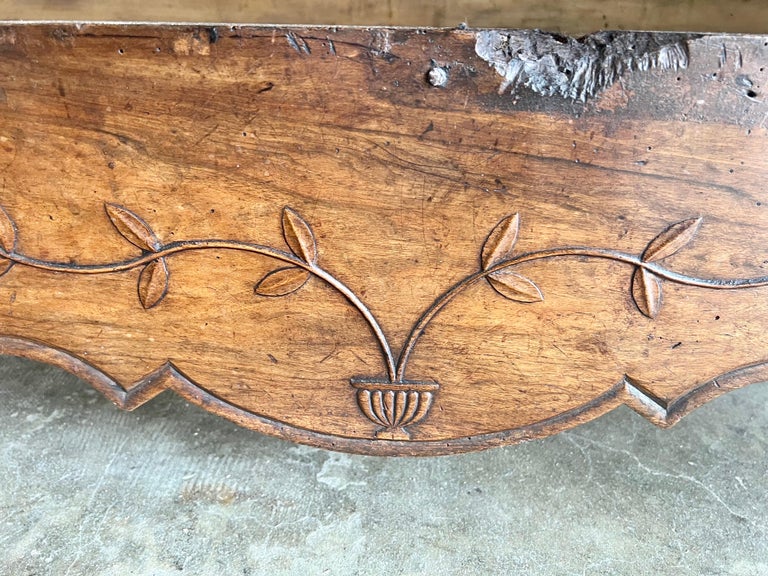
x: 170, y: 489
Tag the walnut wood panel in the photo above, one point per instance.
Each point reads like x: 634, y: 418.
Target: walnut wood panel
x: 387, y: 241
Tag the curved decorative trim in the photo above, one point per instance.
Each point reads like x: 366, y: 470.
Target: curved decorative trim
x: 394, y: 402
x: 384, y: 406
x: 168, y: 377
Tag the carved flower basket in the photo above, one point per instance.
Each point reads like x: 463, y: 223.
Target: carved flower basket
x: 394, y: 405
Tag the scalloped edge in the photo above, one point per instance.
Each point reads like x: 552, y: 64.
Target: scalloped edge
x: 168, y: 377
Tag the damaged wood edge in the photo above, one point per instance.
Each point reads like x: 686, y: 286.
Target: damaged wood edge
x: 168, y: 377
x: 577, y: 68
x: 547, y: 63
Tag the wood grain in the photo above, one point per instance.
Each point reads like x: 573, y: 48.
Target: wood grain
x: 575, y: 17
x: 313, y: 233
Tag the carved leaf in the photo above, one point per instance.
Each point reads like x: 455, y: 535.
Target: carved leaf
x: 153, y: 283
x: 647, y: 292
x: 282, y: 281
x: 299, y: 236
x: 672, y: 240
x: 514, y: 286
x: 132, y: 227
x: 7, y: 231
x: 501, y: 241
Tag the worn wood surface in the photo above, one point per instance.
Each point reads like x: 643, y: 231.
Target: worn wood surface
x: 573, y: 17
x: 351, y: 238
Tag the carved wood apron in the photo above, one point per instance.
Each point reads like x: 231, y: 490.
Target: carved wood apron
x: 387, y: 241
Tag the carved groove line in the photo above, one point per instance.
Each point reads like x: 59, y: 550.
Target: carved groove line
x: 168, y: 377
x: 392, y: 403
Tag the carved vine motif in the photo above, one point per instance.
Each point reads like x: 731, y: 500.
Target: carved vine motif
x: 392, y: 402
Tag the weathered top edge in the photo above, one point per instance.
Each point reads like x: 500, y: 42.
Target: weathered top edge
x: 240, y: 25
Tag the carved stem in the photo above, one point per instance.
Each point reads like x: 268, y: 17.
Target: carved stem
x: 186, y: 245
x: 395, y: 373
x: 429, y: 315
